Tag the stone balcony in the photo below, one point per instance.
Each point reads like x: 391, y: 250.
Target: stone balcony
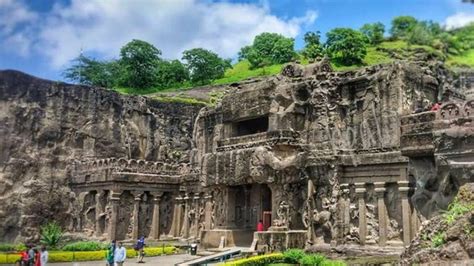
x: 276, y: 137
x: 112, y: 170
x: 418, y: 131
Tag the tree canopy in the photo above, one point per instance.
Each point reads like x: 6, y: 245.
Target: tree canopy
x: 313, y: 47
x: 346, y: 45
x: 374, y: 32
x: 268, y: 48
x: 204, y: 65
x: 402, y: 26
x: 140, y: 60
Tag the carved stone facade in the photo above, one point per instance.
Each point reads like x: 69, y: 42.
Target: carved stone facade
x: 321, y: 157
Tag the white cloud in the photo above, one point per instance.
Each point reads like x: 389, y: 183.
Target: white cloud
x: 459, y: 19
x: 102, y: 27
x: 13, y: 14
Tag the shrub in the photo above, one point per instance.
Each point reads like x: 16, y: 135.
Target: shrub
x: 9, y: 258
x: 256, y: 260
x: 293, y: 255
x: 438, y: 239
x: 7, y: 247
x: 313, y: 259
x: 51, y: 233
x: 151, y: 252
x: 85, y: 246
x: 456, y: 209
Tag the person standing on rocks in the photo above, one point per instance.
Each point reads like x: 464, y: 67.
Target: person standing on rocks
x: 120, y: 255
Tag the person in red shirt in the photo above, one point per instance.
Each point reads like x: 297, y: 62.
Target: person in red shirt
x: 436, y: 107
x: 260, y: 226
x: 37, y: 257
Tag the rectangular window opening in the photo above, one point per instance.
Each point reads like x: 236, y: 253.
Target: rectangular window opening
x: 251, y: 126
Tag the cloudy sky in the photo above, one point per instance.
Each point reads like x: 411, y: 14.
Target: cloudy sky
x: 42, y: 36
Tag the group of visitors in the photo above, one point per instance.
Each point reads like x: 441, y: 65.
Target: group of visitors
x: 116, y: 253
x: 34, y: 257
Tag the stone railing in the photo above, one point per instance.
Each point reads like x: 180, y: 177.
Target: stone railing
x: 127, y: 165
x: 264, y: 138
x: 417, y: 129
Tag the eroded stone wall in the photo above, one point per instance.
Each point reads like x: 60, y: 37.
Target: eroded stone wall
x: 46, y: 125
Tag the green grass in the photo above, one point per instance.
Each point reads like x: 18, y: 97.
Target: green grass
x: 241, y: 71
x: 464, y: 60
x: 179, y: 99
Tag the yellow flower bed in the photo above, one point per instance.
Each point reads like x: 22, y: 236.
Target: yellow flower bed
x: 66, y: 256
x: 256, y: 260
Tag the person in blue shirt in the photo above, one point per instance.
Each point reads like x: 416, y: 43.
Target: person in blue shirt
x: 139, y: 248
x: 120, y: 255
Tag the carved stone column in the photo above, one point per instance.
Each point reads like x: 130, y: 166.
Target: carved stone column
x: 403, y: 188
x: 360, y: 192
x: 114, y: 203
x: 344, y: 213
x: 415, y: 223
x: 136, y: 208
x: 185, y: 229
x: 155, y: 222
x: 176, y: 223
x: 98, y: 212
x: 382, y: 212
x: 195, y: 222
x: 208, y: 212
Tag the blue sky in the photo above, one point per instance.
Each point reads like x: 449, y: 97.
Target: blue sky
x: 40, y: 37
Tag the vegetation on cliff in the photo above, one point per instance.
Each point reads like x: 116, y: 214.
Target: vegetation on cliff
x: 141, y: 70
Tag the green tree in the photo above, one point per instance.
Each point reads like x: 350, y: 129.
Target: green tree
x: 88, y: 71
x: 51, y: 234
x: 374, y: 32
x: 204, y: 65
x: 313, y: 47
x: 170, y: 73
x: 347, y: 46
x: 140, y: 60
x: 402, y: 26
x: 420, y: 34
x: 268, y: 48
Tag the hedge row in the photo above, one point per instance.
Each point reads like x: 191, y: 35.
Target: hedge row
x: 256, y: 260
x: 67, y: 256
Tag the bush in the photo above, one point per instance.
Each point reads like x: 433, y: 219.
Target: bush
x: 438, y: 239
x: 9, y: 258
x: 51, y: 233
x: 293, y: 256
x: 346, y: 46
x: 257, y: 260
x: 7, y: 247
x: 313, y: 259
x: 85, y: 246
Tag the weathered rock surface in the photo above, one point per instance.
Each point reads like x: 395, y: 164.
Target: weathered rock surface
x: 45, y: 125
x: 458, y: 236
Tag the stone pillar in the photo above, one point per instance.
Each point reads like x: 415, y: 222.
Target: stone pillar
x: 155, y: 222
x: 230, y: 210
x: 197, y: 214
x: 98, y: 212
x: 176, y: 223
x: 403, y: 188
x: 136, y: 209
x: 382, y: 212
x: 415, y: 223
x: 114, y: 203
x: 344, y: 213
x: 276, y: 190
x: 360, y: 192
x: 208, y: 212
x: 185, y: 229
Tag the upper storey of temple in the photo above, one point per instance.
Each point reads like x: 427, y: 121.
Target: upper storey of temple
x: 311, y: 115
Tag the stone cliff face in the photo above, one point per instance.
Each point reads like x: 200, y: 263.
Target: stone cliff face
x: 45, y: 125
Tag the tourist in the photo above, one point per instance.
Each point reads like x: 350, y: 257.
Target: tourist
x: 44, y: 256
x: 260, y: 226
x: 31, y: 256
x: 120, y: 254
x: 37, y: 257
x: 24, y: 258
x: 436, y: 107
x: 139, y: 247
x: 109, y: 257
